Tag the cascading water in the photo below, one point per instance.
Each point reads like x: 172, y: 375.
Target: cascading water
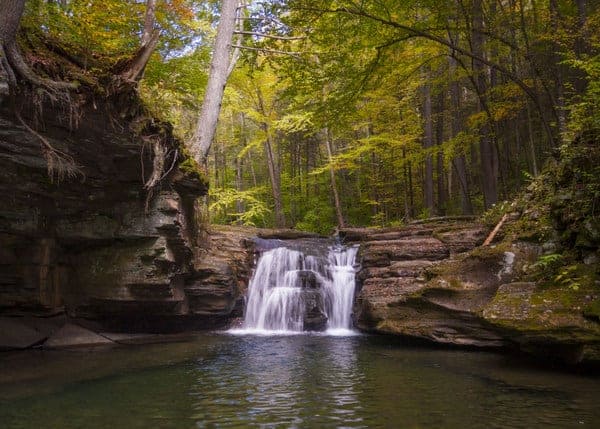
x: 292, y: 291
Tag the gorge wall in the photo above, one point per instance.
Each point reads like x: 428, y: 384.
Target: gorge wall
x: 98, y: 247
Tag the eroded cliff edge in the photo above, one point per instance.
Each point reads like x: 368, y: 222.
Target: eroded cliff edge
x: 100, y: 247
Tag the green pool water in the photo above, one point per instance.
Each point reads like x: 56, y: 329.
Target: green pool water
x: 302, y: 381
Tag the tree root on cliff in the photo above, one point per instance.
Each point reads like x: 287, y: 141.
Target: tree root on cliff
x: 158, y: 165
x: 60, y: 165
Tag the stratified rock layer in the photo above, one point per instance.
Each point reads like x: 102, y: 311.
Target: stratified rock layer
x: 100, y: 246
x: 432, y: 281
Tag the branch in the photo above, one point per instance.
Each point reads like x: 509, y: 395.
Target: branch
x: 492, y: 235
x: 269, y: 36
x: 415, y: 31
x: 270, y: 51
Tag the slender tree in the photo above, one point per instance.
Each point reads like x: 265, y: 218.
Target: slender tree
x: 334, y: 189
x: 220, y: 68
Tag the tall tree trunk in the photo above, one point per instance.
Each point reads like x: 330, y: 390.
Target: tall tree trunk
x: 439, y: 140
x: 427, y: 145
x: 148, y: 42
x: 459, y: 161
x: 275, y: 177
x: 408, y: 191
x: 149, y: 21
x: 239, y: 162
x: 489, y: 178
x: 334, y: 190
x: 220, y: 67
x: 272, y: 164
x: 559, y: 82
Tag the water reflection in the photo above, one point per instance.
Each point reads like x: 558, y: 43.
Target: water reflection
x: 280, y: 381
x: 300, y: 381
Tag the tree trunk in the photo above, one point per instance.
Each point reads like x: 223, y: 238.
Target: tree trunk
x: 427, y: 144
x: 274, y: 176
x: 489, y: 179
x: 148, y: 43
x: 135, y: 70
x: 220, y: 66
x: 559, y: 83
x: 149, y: 20
x: 239, y: 162
x: 10, y: 56
x: 336, y: 197
x: 459, y: 162
x: 439, y: 140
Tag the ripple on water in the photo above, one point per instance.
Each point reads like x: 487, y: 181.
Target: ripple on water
x: 303, y: 381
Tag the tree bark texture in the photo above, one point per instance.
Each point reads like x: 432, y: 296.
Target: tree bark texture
x: 428, y: 144
x: 217, y: 79
x: 489, y: 179
x: 10, y: 56
x: 334, y: 190
x: 459, y: 162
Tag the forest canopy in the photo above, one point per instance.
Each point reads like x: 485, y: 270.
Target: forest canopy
x: 353, y: 113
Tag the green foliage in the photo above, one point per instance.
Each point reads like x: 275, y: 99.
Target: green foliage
x: 365, y: 97
x: 316, y: 220
x: 547, y: 266
x: 567, y: 277
x: 224, y: 203
x: 492, y: 216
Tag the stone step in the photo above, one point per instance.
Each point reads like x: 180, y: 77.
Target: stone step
x: 383, y: 253
x: 411, y: 268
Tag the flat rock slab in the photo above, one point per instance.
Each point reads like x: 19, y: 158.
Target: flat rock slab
x: 72, y: 335
x: 14, y: 334
x: 125, y: 338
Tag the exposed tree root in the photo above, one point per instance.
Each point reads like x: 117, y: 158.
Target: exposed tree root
x: 18, y: 66
x: 160, y: 156
x: 60, y: 164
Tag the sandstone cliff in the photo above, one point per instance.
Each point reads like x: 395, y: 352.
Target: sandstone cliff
x: 99, y: 246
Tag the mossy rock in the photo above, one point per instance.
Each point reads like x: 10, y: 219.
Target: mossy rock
x: 592, y: 310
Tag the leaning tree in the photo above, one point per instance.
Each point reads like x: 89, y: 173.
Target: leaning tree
x: 12, y: 61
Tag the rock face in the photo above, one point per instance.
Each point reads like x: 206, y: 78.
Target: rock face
x: 75, y: 336
x: 315, y: 318
x: 100, y: 246
x: 431, y: 281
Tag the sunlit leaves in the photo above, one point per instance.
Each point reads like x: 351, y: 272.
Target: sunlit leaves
x: 225, y: 201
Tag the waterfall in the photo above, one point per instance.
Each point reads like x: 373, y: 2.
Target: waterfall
x: 294, y: 291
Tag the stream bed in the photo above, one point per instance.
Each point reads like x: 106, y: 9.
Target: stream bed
x: 303, y: 381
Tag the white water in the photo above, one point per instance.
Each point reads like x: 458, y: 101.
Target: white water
x: 277, y: 300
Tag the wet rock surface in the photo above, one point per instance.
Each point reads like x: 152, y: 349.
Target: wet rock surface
x: 315, y: 318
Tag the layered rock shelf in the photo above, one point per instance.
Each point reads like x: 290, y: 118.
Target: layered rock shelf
x: 433, y: 281
x: 96, y: 246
